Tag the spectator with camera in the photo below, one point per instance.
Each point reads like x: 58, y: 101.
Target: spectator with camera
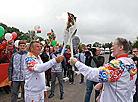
x: 93, y: 59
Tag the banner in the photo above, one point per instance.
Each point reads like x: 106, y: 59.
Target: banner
x: 4, y: 74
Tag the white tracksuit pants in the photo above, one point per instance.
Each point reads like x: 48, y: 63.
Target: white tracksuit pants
x: 36, y: 97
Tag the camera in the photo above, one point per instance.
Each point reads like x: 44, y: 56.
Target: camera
x: 87, y: 52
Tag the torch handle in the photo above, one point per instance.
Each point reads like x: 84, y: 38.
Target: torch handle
x: 61, y: 55
x: 63, y: 50
x: 71, y: 51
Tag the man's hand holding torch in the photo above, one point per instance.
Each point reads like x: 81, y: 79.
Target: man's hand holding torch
x: 59, y: 59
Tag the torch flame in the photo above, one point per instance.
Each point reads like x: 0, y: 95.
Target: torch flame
x: 63, y: 16
x: 69, y: 19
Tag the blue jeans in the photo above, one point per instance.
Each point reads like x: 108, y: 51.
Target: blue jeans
x: 89, y: 88
x: 15, y: 88
x: 137, y: 92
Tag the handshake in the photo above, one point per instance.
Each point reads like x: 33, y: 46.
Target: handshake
x: 59, y: 59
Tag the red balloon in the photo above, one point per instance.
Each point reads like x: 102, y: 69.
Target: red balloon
x: 14, y: 35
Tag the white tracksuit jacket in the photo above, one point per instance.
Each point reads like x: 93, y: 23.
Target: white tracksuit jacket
x: 118, y: 86
x: 35, y: 74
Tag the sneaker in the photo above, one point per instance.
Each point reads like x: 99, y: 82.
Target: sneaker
x: 73, y: 83
x: 61, y: 96
x: 51, y: 95
x: 6, y: 90
x: 19, y: 95
x: 48, y: 85
x: 70, y: 83
x: 48, y: 88
x: 81, y: 82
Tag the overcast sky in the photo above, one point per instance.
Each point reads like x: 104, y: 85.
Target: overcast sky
x: 97, y: 20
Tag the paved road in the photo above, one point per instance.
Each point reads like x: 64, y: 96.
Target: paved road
x: 72, y: 93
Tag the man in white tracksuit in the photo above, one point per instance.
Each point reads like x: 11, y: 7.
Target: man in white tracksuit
x: 35, y: 88
x: 118, y: 76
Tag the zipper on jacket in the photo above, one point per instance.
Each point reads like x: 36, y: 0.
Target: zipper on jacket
x: 20, y: 65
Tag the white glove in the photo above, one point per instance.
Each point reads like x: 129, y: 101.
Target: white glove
x: 73, y: 61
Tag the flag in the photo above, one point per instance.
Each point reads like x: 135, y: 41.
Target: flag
x: 4, y: 74
x: 38, y: 31
x: 48, y: 34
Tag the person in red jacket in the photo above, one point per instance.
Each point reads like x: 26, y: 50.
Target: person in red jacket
x: 3, y: 45
x: 6, y: 54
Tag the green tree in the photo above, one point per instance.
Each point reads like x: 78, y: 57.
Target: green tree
x: 80, y: 46
x: 107, y: 45
x: 20, y: 35
x: 97, y: 44
x: 131, y: 44
x: 135, y: 44
x: 103, y: 45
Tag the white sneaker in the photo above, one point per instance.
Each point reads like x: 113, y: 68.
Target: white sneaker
x: 77, y: 72
x: 70, y: 83
x: 19, y: 95
x: 66, y: 79
x: 73, y: 83
x: 48, y: 88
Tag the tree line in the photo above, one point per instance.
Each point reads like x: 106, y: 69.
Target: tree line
x: 21, y: 36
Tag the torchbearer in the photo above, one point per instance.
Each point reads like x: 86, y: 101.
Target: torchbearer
x: 118, y: 76
x: 35, y: 88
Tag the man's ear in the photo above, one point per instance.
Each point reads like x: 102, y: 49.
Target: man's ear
x: 121, y: 47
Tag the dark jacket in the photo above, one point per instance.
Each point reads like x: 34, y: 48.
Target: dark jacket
x: 136, y: 59
x: 45, y: 57
x: 99, y: 60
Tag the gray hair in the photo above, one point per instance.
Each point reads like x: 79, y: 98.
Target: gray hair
x: 123, y: 42
x: 32, y: 43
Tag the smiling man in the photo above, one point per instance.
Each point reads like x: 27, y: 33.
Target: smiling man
x: 118, y: 76
x: 35, y: 88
